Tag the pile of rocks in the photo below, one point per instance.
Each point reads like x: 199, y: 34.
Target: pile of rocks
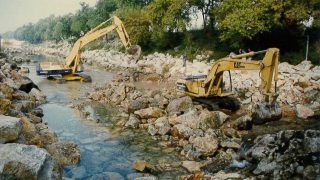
x: 28, y: 148
x: 18, y: 55
x: 196, y: 131
x: 286, y: 154
x: 298, y: 86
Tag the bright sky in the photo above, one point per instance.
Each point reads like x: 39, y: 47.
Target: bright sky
x: 15, y: 13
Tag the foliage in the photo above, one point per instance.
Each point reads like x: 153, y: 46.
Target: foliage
x: 163, y: 25
x: 239, y: 20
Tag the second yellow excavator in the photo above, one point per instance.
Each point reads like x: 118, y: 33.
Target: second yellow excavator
x: 70, y: 70
x: 211, y: 86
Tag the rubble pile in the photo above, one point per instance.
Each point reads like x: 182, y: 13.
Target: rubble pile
x: 28, y: 148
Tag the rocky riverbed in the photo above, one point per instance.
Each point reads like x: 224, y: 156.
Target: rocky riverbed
x: 215, y: 143
x: 28, y: 148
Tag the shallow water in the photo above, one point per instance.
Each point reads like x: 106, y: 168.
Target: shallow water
x: 102, y: 150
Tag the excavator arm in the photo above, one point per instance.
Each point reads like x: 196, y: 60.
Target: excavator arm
x: 211, y: 84
x: 73, y: 60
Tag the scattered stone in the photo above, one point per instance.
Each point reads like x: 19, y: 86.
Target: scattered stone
x: 179, y: 105
x: 163, y: 126
x: 65, y: 154
x: 242, y: 123
x: 141, y: 166
x: 263, y: 113
x: 133, y: 121
x: 26, y: 84
x: 182, y: 131
x: 152, y: 130
x: 151, y: 112
x: 221, y: 175
x: 4, y: 106
x: 135, y: 105
x: 212, y: 119
x: 192, y: 166
x: 10, y: 128
x: 283, y: 152
x: 303, y: 111
x: 37, y: 95
x: 230, y: 144
x: 19, y: 161
x: 207, y: 144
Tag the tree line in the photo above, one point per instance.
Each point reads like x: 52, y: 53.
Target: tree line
x: 165, y: 24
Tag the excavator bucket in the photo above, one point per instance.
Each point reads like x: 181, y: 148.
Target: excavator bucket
x: 134, y: 50
x: 265, y: 112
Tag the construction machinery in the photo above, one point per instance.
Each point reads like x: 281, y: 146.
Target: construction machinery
x: 212, y: 86
x: 71, y: 69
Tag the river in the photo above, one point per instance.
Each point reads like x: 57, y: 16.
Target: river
x: 103, y: 148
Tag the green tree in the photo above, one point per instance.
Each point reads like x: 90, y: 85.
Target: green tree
x: 79, y: 21
x: 205, y: 7
x: 133, y: 3
x: 168, y: 18
x: 58, y: 31
x: 239, y: 20
x: 137, y: 23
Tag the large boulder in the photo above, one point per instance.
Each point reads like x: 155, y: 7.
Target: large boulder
x: 192, y: 166
x: 133, y: 121
x: 182, y: 131
x: 65, y: 154
x: 26, y: 84
x: 162, y: 125
x: 190, y: 119
x: 207, y: 144
x: 4, y: 105
x: 6, y: 90
x: 19, y: 161
x: 179, y: 105
x: 242, y: 123
x: 303, y: 111
x: 36, y: 93
x: 151, y: 112
x: 10, y: 128
x: 264, y: 112
x: 212, y: 119
x: 135, y: 105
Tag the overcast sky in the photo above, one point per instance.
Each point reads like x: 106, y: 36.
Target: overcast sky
x: 15, y: 13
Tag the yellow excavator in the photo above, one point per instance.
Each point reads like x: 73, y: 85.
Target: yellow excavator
x: 70, y: 70
x: 211, y: 86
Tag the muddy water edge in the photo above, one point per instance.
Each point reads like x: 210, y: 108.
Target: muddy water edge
x: 104, y: 149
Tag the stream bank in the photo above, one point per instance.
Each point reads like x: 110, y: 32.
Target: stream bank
x: 203, y: 137
x: 105, y: 151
